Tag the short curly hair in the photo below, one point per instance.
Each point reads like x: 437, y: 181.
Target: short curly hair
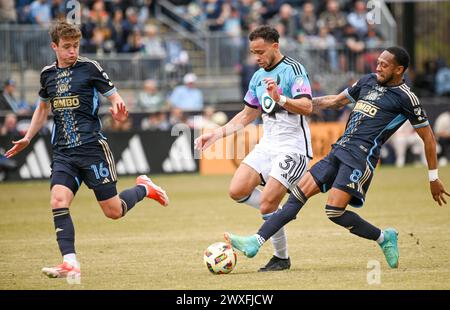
x: 265, y: 32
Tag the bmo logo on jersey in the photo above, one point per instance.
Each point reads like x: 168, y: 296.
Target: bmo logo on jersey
x: 267, y: 103
x: 69, y: 102
x: 366, y: 108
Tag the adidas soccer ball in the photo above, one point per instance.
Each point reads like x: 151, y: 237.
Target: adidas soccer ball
x: 220, y: 258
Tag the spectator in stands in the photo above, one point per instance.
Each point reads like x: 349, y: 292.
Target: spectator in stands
x: 9, y: 102
x: 9, y: 127
x: 187, y: 97
x: 373, y: 43
x: 98, y: 44
x: 155, y: 121
x: 215, y: 14
x: 130, y: 24
x: 150, y: 100
x: 135, y: 43
x: 153, y: 44
x: 8, y: 13
x: 177, y: 60
x: 177, y: 116
x: 333, y: 19
x: 249, y: 12
x: 406, y: 138
x: 357, y: 18
x: 58, y: 9
x: 289, y: 17
x: 353, y: 50
x: 442, y: 133
x: 269, y: 9
x: 287, y: 44
x: 308, y: 20
x: 205, y: 121
x: 324, y: 46
x: 117, y: 34
x: 40, y: 13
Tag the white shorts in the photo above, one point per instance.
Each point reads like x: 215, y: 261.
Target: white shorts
x: 287, y: 168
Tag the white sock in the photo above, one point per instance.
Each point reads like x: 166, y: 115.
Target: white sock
x: 279, y: 241
x: 254, y: 199
x: 71, y: 259
x: 380, y: 238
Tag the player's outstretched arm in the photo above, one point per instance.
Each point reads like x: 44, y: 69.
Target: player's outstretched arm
x: 335, y: 102
x: 436, y: 187
x: 238, y: 122
x: 118, y: 110
x: 38, y: 120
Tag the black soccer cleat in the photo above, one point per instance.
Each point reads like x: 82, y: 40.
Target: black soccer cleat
x: 276, y: 264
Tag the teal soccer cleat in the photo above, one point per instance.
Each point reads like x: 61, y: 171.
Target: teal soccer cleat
x: 247, y: 245
x: 390, y: 248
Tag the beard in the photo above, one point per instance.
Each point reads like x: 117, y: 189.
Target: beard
x: 386, y: 80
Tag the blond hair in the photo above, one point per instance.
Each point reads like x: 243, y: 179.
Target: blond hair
x: 64, y: 30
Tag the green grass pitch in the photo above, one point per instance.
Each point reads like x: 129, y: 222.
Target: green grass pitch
x: 162, y: 248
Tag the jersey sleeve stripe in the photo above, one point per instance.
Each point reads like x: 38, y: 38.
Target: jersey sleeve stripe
x: 48, y: 67
x: 95, y: 63
x: 46, y: 100
x: 296, y: 64
x: 411, y: 95
x: 346, y: 93
x: 250, y: 105
x: 303, y: 96
x: 424, y: 124
x: 110, y: 92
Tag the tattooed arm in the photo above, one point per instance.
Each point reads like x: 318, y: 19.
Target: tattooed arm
x: 334, y: 102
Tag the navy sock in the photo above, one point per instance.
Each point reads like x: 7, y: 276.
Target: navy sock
x: 283, y: 216
x: 352, y: 222
x: 131, y: 196
x: 65, y: 232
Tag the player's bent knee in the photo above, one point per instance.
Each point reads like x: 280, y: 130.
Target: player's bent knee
x: 238, y: 195
x: 59, y: 202
x: 113, y: 213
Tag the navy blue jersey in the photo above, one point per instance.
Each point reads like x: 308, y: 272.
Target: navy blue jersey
x: 379, y: 111
x: 73, y: 94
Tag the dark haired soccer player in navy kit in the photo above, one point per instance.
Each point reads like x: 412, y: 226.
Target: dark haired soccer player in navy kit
x: 70, y: 87
x: 383, y: 102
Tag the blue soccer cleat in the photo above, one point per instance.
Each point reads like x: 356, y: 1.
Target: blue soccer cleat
x: 248, y: 245
x: 390, y: 248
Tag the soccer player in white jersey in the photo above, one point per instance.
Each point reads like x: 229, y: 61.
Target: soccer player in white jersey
x: 281, y: 92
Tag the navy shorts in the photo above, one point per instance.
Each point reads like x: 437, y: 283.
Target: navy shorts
x: 91, y: 163
x: 339, y: 169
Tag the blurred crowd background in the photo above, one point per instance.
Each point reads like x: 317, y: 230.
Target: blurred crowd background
x: 187, y: 61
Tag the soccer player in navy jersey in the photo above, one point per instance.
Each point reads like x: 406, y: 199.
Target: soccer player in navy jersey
x: 70, y: 88
x: 280, y: 92
x: 383, y: 102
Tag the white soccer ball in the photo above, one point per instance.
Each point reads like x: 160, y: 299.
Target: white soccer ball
x: 220, y: 258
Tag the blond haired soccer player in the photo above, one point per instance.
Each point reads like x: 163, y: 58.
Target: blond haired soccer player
x: 70, y: 88
x: 281, y: 92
